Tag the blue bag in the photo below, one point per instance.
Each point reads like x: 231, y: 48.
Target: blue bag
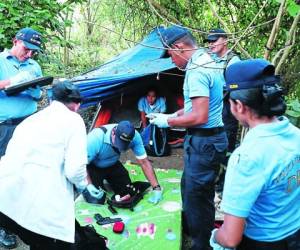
x: 155, y: 140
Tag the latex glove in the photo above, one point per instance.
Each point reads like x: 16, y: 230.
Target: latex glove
x: 161, y: 115
x: 173, y: 115
x: 160, y: 121
x: 35, y: 93
x: 94, y: 192
x: 93, y: 195
x: 156, y: 196
x: 215, y: 245
x: 23, y: 76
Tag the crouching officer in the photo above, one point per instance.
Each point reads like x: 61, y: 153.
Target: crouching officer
x: 45, y: 157
x: 105, y: 145
x: 262, y: 192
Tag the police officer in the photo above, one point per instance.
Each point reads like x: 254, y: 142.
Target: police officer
x: 262, y: 192
x: 44, y: 159
x: 16, y: 66
x: 223, y: 56
x: 205, y: 142
x: 105, y: 145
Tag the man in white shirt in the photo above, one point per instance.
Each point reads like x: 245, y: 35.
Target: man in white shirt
x: 46, y: 156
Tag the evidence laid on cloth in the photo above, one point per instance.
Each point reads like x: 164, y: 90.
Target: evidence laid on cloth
x: 40, y: 81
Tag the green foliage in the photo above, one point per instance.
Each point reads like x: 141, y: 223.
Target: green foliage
x: 81, y: 34
x: 293, y: 111
x: 293, y: 9
x: 45, y: 16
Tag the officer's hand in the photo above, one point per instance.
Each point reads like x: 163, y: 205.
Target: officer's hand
x: 156, y: 196
x: 154, y: 115
x: 160, y: 121
x: 35, y: 92
x: 93, y: 195
x: 215, y: 245
x: 23, y: 76
x: 94, y: 192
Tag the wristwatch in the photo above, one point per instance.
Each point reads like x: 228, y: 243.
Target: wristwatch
x: 157, y: 187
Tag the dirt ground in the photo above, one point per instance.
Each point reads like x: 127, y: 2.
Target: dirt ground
x: 175, y: 160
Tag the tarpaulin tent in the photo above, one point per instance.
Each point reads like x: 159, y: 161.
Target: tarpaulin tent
x: 117, y: 75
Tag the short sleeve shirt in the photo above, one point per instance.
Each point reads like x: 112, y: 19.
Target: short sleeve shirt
x: 262, y: 181
x: 204, y: 80
x: 101, y: 152
x: 159, y: 105
x: 22, y: 104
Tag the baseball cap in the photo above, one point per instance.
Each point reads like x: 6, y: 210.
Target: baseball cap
x: 215, y: 34
x: 251, y: 73
x: 30, y: 37
x: 66, y: 91
x: 125, y: 132
x: 170, y: 35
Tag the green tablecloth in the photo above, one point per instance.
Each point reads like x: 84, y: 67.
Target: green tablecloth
x: 148, y: 226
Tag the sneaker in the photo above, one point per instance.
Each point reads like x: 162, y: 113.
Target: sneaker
x: 7, y: 240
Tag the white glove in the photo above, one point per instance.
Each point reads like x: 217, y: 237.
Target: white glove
x: 215, y: 245
x: 161, y: 115
x: 156, y: 196
x: 173, y: 115
x: 23, y: 76
x: 94, y: 192
x: 160, y: 121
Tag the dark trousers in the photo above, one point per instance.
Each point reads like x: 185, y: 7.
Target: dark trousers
x: 116, y: 175
x: 231, y: 125
x: 34, y: 240
x: 6, y: 132
x: 202, y: 157
x: 291, y: 242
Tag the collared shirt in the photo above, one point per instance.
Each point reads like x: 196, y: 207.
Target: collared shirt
x: 100, y: 149
x: 203, y: 79
x: 45, y: 157
x: 159, y: 106
x: 262, y: 181
x: 22, y: 104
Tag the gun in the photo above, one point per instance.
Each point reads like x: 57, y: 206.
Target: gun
x: 105, y: 220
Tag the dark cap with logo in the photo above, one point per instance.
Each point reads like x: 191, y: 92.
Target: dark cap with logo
x: 215, y: 34
x: 251, y: 73
x: 124, y: 134
x: 31, y: 38
x: 170, y: 35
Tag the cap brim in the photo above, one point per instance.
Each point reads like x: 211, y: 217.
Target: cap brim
x: 120, y: 144
x: 31, y: 46
x: 210, y: 40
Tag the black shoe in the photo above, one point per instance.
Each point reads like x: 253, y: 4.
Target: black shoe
x: 7, y: 240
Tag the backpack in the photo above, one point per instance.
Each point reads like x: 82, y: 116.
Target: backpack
x: 86, y: 238
x: 155, y: 140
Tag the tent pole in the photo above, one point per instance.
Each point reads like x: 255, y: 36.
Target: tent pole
x: 95, y: 117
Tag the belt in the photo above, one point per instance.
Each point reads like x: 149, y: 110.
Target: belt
x: 205, y: 131
x: 13, y: 121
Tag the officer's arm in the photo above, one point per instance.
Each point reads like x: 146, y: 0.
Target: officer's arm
x: 148, y: 171
x: 198, y: 115
x: 231, y: 232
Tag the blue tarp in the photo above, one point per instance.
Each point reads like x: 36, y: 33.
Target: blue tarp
x: 113, y: 77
